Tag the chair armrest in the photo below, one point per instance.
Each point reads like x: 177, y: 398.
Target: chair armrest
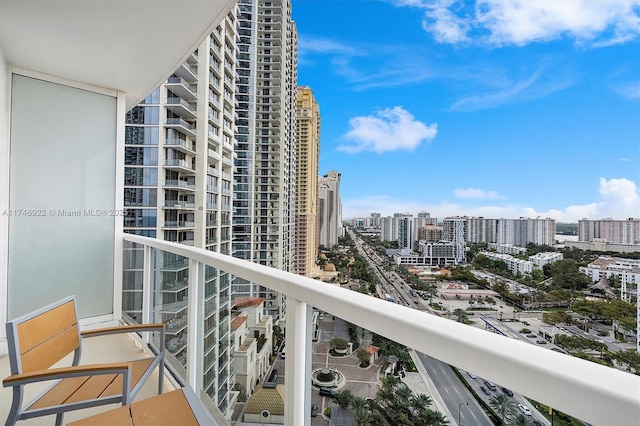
x: 123, y: 368
x: 123, y: 329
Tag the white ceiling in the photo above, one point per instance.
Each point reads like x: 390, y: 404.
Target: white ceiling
x: 127, y: 45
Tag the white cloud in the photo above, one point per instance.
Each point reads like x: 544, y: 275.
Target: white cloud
x: 629, y: 91
x: 519, y: 22
x: 391, y: 129
x: 619, y: 199
x: 475, y: 193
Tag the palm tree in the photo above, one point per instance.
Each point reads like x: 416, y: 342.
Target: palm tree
x: 520, y: 420
x: 361, y: 415
x: 502, y: 404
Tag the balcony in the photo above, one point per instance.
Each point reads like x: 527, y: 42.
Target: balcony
x: 179, y: 165
x: 555, y: 379
x: 181, y: 125
x: 181, y: 107
x: 182, y: 88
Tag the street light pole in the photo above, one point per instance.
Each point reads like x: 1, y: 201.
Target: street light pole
x: 460, y: 404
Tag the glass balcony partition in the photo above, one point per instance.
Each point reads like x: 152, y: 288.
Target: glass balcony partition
x: 187, y: 288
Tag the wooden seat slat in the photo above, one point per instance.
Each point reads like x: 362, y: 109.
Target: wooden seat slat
x: 170, y: 408
x: 43, y: 327
x: 50, y: 351
x: 120, y: 416
x: 138, y: 368
x: 92, y: 388
x: 60, y: 392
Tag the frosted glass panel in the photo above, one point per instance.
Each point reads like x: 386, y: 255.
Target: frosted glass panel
x: 62, y: 196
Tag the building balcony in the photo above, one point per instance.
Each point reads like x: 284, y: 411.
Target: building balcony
x: 179, y: 165
x: 181, y: 107
x: 181, y: 125
x: 179, y: 145
x: 178, y: 224
x: 554, y: 379
x: 179, y: 204
x: 182, y: 88
x: 179, y: 185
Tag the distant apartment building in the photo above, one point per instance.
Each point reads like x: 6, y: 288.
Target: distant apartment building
x: 329, y: 209
x: 423, y: 219
x: 507, y: 248
x: 514, y: 265
x: 454, y: 229
x: 178, y: 175
x: 613, y: 231
x: 599, y: 244
x: 541, y: 259
x: 627, y: 270
x: 405, y: 232
x: 430, y: 233
x: 308, y: 119
x: 517, y: 232
x: 375, y: 219
x: 389, y: 228
x: 265, y: 179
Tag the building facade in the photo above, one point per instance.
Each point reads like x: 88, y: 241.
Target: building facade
x: 329, y: 209
x: 178, y: 175
x: 265, y: 180
x: 613, y: 231
x: 308, y: 120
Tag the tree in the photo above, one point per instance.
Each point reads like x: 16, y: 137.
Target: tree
x: 502, y: 404
x: 629, y: 358
x: 363, y: 357
x: 461, y: 315
x: 520, y: 420
x: 344, y: 398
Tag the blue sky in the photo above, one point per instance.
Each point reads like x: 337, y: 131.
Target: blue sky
x: 484, y: 108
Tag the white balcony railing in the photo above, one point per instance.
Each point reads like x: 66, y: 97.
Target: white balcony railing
x: 588, y: 391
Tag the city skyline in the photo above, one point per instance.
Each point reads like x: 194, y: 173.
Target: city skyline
x: 480, y: 108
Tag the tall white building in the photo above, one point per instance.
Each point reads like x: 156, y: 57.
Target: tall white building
x: 178, y: 175
x: 613, y: 231
x: 405, y: 232
x: 454, y: 232
x: 265, y: 181
x: 329, y: 209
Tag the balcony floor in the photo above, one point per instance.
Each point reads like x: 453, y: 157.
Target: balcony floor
x: 94, y: 350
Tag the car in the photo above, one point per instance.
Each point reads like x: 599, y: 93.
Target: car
x: 415, y: 301
x: 541, y: 342
x: 533, y: 336
x: 525, y: 410
x: 324, y: 391
x: 485, y: 390
x: 537, y: 422
x: 314, y: 410
x: 490, y: 385
x: 473, y: 376
x: 509, y: 392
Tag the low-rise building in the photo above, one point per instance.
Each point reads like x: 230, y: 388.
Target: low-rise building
x: 251, y: 339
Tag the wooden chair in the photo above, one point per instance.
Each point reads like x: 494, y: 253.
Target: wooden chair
x: 40, y: 339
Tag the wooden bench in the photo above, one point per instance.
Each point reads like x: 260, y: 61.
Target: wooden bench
x: 180, y: 407
x: 42, y: 338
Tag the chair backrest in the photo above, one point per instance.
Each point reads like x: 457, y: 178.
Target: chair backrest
x: 41, y: 338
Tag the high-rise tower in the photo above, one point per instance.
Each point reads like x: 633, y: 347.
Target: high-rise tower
x: 329, y: 209
x: 266, y: 173
x: 308, y: 117
x: 178, y: 177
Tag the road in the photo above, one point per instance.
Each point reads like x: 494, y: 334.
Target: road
x: 453, y: 393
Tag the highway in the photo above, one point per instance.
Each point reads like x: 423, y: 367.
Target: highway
x: 454, y: 394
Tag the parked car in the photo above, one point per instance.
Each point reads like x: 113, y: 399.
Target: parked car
x: 541, y: 342
x: 490, y: 385
x: 328, y: 392
x: 507, y: 391
x: 314, y: 410
x: 485, y: 390
x: 524, y: 409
